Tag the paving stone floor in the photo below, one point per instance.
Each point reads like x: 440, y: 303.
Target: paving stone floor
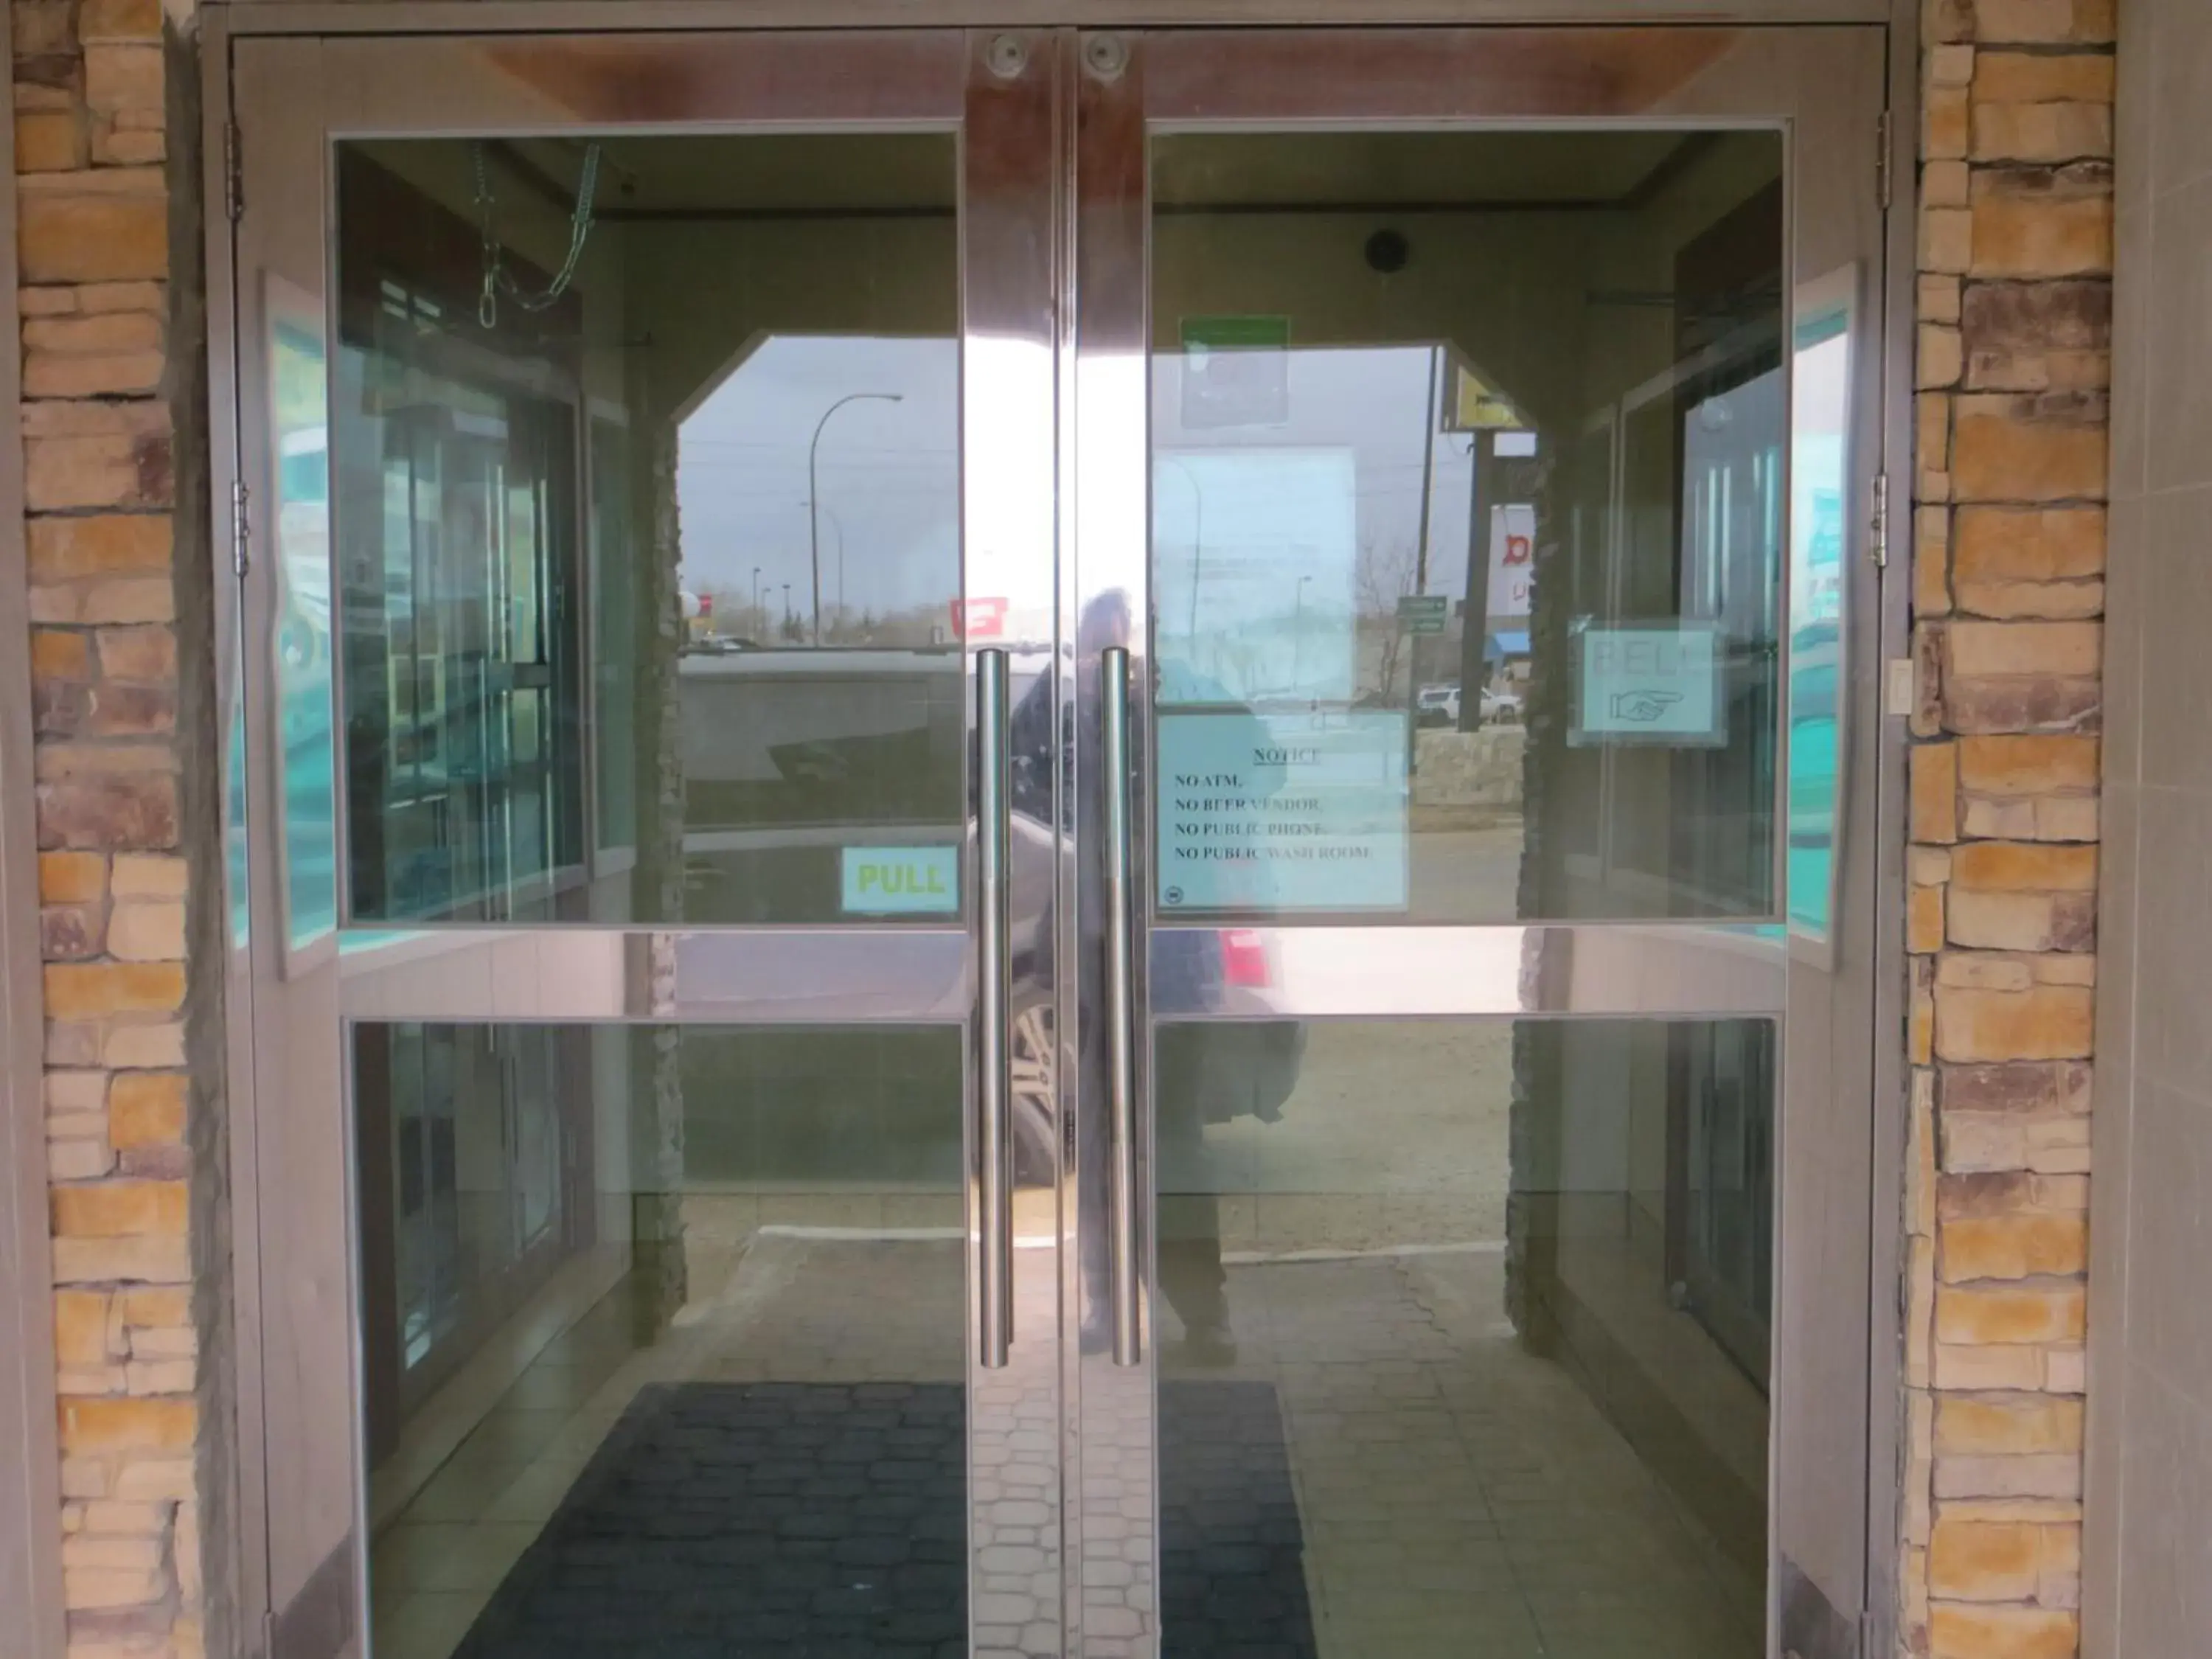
x: 1459, y: 1497
x: 1456, y: 1497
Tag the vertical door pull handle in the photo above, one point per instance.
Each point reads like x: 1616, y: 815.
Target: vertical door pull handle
x: 995, y: 1092
x: 1128, y: 1281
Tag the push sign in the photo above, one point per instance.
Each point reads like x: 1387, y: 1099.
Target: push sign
x: 1648, y: 683
x: 897, y: 881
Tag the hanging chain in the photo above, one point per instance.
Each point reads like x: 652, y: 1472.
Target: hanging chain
x: 495, y: 275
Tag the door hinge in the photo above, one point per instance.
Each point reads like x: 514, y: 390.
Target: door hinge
x: 1878, y: 546
x: 239, y: 557
x: 1884, y: 158
x: 233, y: 174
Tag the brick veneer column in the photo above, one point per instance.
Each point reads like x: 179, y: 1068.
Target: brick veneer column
x: 2016, y: 303
x: 93, y: 263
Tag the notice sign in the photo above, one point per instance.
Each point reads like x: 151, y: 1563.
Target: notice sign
x: 1235, y: 371
x: 896, y: 881
x: 1266, y: 811
x: 1658, y: 683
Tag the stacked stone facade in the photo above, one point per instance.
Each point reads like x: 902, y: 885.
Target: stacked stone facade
x: 2014, y: 365
x: 93, y: 262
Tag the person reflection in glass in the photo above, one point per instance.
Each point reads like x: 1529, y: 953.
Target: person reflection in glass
x: 1202, y: 1074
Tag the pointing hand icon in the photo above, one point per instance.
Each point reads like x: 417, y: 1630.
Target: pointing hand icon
x: 1643, y: 706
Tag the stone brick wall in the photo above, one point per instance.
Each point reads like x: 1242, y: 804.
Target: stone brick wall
x: 2015, y: 307
x: 93, y: 262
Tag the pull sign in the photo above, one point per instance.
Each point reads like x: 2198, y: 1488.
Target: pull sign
x: 890, y: 881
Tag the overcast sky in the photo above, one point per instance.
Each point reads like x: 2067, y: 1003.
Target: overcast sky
x: 890, y: 473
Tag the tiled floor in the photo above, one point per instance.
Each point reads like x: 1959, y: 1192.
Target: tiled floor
x: 1457, y: 1496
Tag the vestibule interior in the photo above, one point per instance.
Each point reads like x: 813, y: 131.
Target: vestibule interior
x: 1539, y: 380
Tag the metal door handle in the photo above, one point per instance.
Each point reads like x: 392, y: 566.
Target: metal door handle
x: 1128, y: 1284
x: 995, y: 1267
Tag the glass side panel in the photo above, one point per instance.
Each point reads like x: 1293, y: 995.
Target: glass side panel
x: 1467, y: 1321
x: 644, y: 471
x: 664, y: 1339
x: 1469, y: 511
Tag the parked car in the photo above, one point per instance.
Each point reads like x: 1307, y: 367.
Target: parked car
x: 1439, y: 705
x: 791, y: 756
x: 1436, y: 705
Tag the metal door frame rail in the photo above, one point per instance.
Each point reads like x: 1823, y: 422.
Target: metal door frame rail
x: 30, y: 1493
x: 584, y: 16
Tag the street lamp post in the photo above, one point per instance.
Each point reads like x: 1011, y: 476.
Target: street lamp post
x: 814, y: 492
x: 838, y: 525
x: 786, y: 610
x: 1298, y: 632
x: 1197, y: 540
x: 758, y: 611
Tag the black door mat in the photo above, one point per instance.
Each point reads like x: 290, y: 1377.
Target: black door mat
x: 782, y: 1520
x: 828, y: 1521
x: 1232, y: 1555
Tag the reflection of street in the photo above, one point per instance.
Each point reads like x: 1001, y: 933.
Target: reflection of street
x: 1456, y: 1492
x: 1467, y: 874
x: 1459, y: 1495
x: 1369, y: 1151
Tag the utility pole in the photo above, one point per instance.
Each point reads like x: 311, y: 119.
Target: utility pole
x: 1430, y: 421
x: 1429, y: 424
x: 1475, y: 622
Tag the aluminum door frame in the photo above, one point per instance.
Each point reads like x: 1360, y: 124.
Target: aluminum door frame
x: 278, y: 104
x: 229, y: 25
x: 30, y: 1494
x: 1825, y: 90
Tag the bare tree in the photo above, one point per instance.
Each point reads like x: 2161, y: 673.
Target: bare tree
x: 1381, y: 577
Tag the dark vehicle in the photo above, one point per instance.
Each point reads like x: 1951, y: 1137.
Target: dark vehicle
x: 791, y: 756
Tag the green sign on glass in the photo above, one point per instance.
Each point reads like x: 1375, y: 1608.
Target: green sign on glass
x: 1235, y: 371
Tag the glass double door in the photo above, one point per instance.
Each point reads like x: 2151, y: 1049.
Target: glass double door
x: 1044, y: 841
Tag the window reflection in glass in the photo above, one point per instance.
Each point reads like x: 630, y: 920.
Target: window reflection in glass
x: 303, y: 637
x: 1496, y: 1298
x: 1469, y: 475
x: 648, y: 572
x: 724, y: 1266
x: 1820, y: 494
